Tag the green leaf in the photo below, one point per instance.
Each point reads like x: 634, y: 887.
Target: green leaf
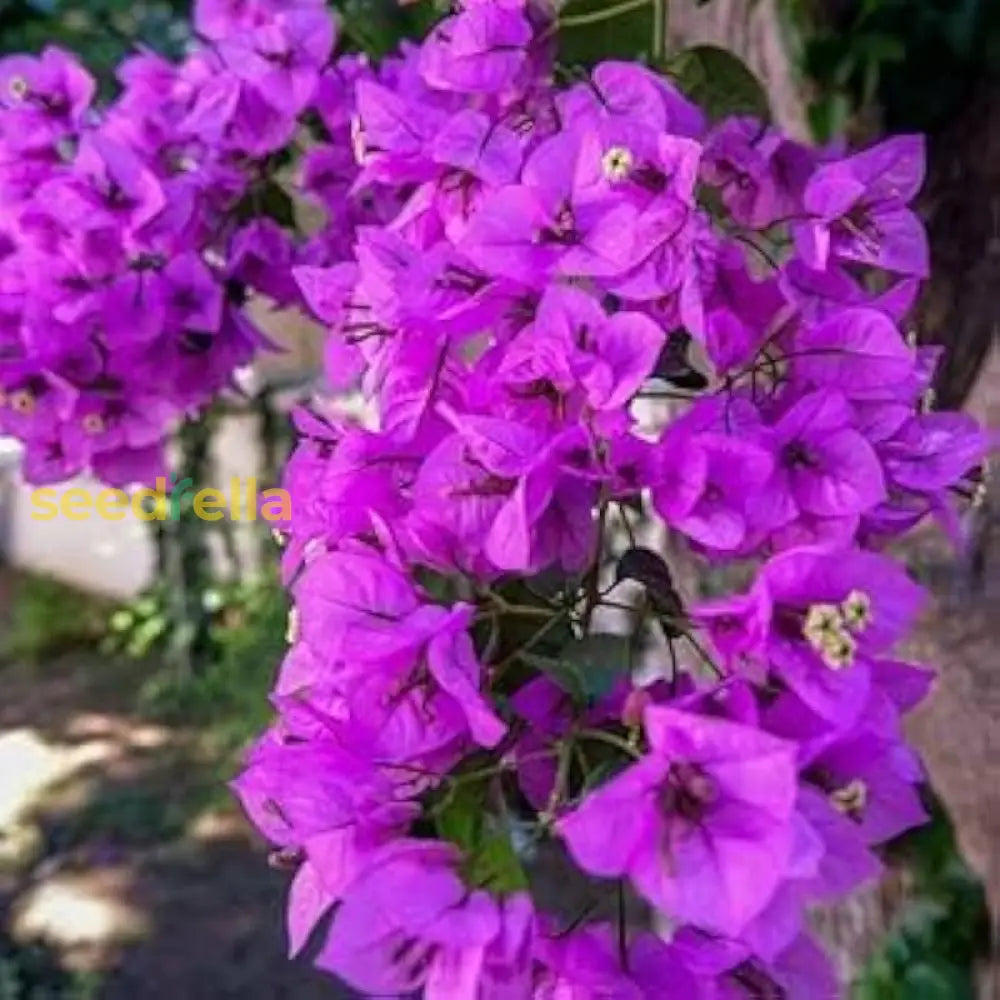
x: 602, y: 659
x: 461, y: 820
x: 277, y: 204
x: 587, y: 668
x: 604, y: 771
x: 936, y: 981
x: 828, y: 117
x: 719, y: 82
x: 494, y: 866
x: 490, y: 859
x: 627, y: 35
x: 564, y: 674
x: 269, y: 199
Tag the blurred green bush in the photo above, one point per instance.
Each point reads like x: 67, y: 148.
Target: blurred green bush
x: 46, y: 618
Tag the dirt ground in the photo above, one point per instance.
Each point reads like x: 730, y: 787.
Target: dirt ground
x: 121, y: 856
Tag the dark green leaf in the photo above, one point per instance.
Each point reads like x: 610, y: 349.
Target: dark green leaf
x: 828, y: 117
x: 719, y: 82
x: 625, y: 36
x: 490, y: 859
x: 494, y: 866
x: 461, y: 820
x: 565, y: 674
x: 276, y: 204
x: 587, y: 668
x: 935, y: 981
x: 605, y: 771
x: 268, y: 200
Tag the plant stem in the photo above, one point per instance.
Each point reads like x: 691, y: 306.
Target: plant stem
x: 562, y: 778
x: 597, y: 16
x: 593, y: 595
x: 615, y: 741
x: 709, y: 662
x: 521, y: 610
x: 555, y: 620
x: 659, y: 28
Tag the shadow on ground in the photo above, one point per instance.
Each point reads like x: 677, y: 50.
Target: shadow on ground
x: 125, y: 872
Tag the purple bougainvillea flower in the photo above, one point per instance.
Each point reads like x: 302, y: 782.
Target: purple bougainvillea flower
x: 823, y: 466
x: 857, y: 351
x: 760, y: 173
x: 408, y: 921
x: 282, y: 58
x: 801, y: 972
x: 711, y: 802
x: 480, y: 50
x: 706, y: 484
x: 47, y: 95
x: 559, y: 312
x: 860, y: 213
x: 626, y: 90
x: 558, y: 220
x: 822, y: 294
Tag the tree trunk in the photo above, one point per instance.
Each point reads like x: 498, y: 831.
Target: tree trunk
x: 960, y: 307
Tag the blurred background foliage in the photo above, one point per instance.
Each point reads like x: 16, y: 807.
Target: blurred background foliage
x: 102, y: 31
x: 942, y: 935
x: 48, y: 619
x: 918, y: 60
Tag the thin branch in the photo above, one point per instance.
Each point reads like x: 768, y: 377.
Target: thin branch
x: 597, y: 16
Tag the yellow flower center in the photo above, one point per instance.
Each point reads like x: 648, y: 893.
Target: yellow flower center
x: 93, y: 424
x: 617, y: 163
x: 857, y: 611
x: 839, y: 650
x: 822, y: 622
x: 22, y: 402
x: 18, y: 88
x: 852, y: 799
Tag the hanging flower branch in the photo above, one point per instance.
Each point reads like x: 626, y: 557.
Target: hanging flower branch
x: 577, y: 303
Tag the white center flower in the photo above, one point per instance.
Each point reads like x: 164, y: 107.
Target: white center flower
x: 822, y: 622
x: 839, y: 650
x: 851, y: 799
x: 22, y: 401
x: 617, y: 163
x: 18, y: 88
x: 857, y: 611
x: 93, y: 424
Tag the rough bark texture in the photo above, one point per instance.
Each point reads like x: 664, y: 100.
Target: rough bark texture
x: 961, y: 305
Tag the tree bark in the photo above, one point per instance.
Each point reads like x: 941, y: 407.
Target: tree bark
x: 960, y: 308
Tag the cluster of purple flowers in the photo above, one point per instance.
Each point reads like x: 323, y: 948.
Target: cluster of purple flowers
x: 132, y: 234
x: 574, y: 311
x: 562, y: 254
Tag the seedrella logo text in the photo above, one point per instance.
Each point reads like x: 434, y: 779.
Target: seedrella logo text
x: 164, y: 502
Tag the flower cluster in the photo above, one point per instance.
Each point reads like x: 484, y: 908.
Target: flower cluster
x: 596, y: 309
x: 132, y: 234
x: 583, y: 317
